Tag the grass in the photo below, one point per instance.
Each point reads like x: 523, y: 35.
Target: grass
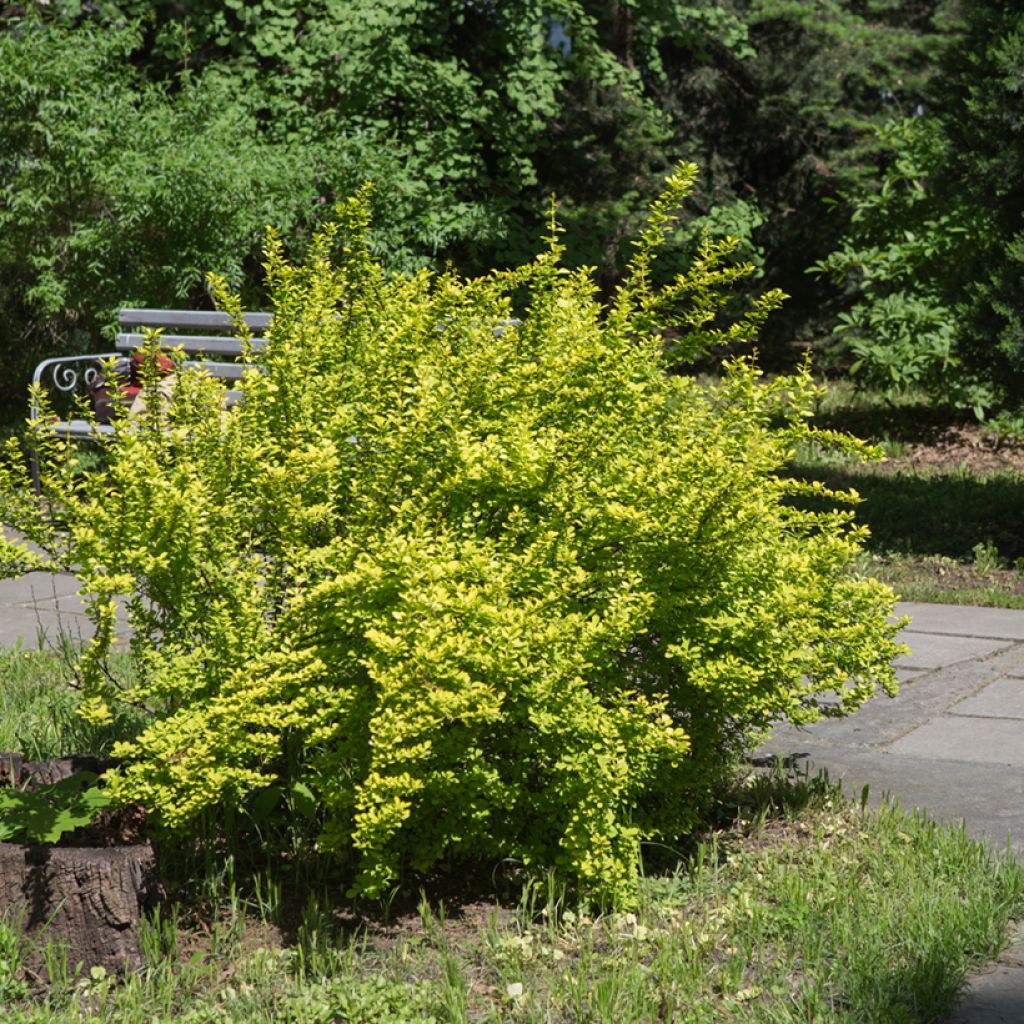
x: 947, y: 580
x: 803, y: 908
x: 38, y: 702
x: 929, y: 513
x: 946, y: 523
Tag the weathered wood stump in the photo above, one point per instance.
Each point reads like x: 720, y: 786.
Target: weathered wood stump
x: 90, y: 897
x: 47, y: 772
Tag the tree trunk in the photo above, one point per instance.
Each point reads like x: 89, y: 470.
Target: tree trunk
x: 89, y: 897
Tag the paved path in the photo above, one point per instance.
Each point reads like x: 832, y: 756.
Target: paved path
x: 952, y: 741
x: 41, y: 608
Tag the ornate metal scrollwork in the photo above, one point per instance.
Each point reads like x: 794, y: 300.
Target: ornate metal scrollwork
x: 68, y: 374
x: 66, y: 378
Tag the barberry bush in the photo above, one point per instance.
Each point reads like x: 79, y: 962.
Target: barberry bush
x: 468, y: 564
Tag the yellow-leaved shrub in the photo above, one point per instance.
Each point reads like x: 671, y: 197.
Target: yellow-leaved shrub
x: 467, y: 563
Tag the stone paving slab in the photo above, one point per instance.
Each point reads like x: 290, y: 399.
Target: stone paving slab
x: 1002, y: 699
x: 987, y: 798
x: 972, y: 740
x: 42, y: 609
x: 905, y: 673
x: 1009, y: 662
x: 42, y: 628
x: 884, y: 720
x: 937, y: 650
x: 961, y: 620
x: 995, y: 995
x: 36, y: 586
x: 951, y: 742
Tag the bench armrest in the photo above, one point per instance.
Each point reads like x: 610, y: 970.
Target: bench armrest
x: 67, y: 373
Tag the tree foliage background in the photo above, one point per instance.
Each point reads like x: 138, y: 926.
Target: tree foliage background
x: 934, y: 256
x: 144, y: 143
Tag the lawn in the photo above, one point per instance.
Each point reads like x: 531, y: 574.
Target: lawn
x: 946, y: 508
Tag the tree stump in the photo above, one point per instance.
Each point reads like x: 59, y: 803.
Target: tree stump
x: 89, y: 897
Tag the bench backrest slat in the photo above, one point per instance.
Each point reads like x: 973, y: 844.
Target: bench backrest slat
x: 225, y: 371
x: 190, y: 319
x: 222, y: 345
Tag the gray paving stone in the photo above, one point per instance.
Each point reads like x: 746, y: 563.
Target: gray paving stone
x: 996, y: 994
x: 904, y: 674
x: 19, y: 538
x: 959, y: 620
x: 66, y: 604
x: 37, y: 586
x: 35, y: 627
x: 956, y: 738
x: 1009, y: 662
x: 936, y: 650
x: 987, y: 798
x: 884, y: 720
x: 951, y: 742
x: 1002, y: 699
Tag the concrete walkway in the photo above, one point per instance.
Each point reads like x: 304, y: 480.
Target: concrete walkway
x: 41, y: 608
x: 951, y: 742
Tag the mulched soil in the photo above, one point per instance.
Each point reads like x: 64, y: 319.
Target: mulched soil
x: 934, y: 440
x: 123, y: 826
x: 972, y: 447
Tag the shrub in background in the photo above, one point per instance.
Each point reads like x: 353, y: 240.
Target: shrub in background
x: 937, y: 249
x: 116, y: 190
x: 486, y: 587
x: 901, y: 330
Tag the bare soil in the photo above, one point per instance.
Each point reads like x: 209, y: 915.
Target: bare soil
x: 970, y: 447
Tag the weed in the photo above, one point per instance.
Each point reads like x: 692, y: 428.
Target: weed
x: 158, y: 935
x: 12, y: 954
x: 986, y: 557
x: 266, y: 899
x: 315, y: 940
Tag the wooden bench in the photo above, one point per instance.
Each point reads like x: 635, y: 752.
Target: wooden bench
x: 206, y: 338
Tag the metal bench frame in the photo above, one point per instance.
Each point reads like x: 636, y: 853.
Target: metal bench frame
x: 209, y: 335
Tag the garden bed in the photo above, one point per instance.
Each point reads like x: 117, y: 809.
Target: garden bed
x: 798, y: 907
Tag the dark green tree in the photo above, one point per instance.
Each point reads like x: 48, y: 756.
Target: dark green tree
x: 145, y: 142
x: 782, y: 128
x: 982, y: 115
x: 114, y: 191
x: 935, y: 255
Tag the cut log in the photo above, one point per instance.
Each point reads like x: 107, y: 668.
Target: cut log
x: 45, y: 773
x: 11, y: 766
x: 91, y: 899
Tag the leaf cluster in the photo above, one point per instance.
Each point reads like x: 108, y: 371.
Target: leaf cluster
x: 46, y: 812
